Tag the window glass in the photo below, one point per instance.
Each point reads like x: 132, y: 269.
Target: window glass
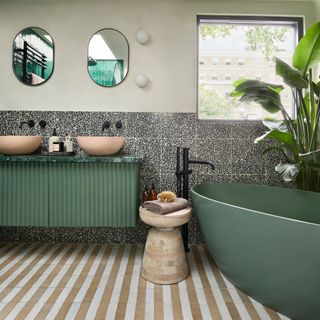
x: 245, y: 48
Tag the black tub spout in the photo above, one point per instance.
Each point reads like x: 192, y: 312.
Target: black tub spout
x: 203, y: 162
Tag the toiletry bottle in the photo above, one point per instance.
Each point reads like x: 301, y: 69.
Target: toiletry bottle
x: 146, y: 194
x: 153, y: 193
x: 52, y: 139
x: 68, y: 143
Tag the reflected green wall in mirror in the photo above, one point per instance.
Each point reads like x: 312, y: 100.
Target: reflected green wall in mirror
x: 33, y: 56
x: 108, y: 57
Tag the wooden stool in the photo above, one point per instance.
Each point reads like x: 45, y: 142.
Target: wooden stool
x: 164, y: 260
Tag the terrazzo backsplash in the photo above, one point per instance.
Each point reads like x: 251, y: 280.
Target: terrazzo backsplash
x: 153, y: 136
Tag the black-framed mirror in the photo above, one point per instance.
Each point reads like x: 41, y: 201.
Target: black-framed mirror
x: 108, y: 57
x: 33, y: 56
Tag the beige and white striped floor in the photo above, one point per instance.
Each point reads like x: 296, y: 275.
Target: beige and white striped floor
x: 76, y: 281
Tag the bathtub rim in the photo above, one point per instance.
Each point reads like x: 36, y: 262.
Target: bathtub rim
x: 251, y: 210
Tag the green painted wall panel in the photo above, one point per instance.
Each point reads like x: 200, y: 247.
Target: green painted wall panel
x: 24, y: 191
x: 94, y: 194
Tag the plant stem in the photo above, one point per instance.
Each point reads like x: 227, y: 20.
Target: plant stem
x: 305, y: 111
x: 313, y: 143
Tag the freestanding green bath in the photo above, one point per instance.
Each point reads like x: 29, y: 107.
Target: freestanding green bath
x: 266, y: 241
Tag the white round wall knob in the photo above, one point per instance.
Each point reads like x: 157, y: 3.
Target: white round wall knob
x: 141, y: 80
x: 142, y: 36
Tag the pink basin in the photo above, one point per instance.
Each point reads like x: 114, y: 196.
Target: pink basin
x: 19, y: 144
x: 100, y: 146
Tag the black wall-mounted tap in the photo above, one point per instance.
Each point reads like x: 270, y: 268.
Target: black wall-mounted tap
x: 183, y: 182
x: 42, y: 124
x: 106, y: 125
x: 119, y: 124
x: 203, y: 162
x: 30, y: 124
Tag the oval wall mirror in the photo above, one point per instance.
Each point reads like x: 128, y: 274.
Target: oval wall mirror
x: 33, y: 56
x: 108, y: 57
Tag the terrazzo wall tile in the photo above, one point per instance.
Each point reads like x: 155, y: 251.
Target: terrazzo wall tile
x: 178, y: 125
x: 246, y: 157
x: 214, y: 129
x: 249, y: 178
x: 247, y: 130
x: 75, y: 235
x: 155, y: 137
x: 195, y: 233
x: 217, y: 151
x: 168, y: 181
x: 143, y: 124
x: 274, y: 179
x: 149, y: 149
x: 2, y: 124
x: 129, y: 147
x: 204, y: 177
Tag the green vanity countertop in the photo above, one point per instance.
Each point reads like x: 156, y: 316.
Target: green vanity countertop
x: 69, y: 159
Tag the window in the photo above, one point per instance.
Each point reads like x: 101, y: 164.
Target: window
x: 239, y: 41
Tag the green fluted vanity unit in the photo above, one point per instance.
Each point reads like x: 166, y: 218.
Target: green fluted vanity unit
x: 69, y: 191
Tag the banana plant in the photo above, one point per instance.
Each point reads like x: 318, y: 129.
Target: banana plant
x: 298, y: 138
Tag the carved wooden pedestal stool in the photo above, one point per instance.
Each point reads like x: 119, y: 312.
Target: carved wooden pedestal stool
x: 164, y: 260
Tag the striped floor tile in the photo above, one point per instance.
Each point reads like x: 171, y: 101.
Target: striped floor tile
x: 80, y: 281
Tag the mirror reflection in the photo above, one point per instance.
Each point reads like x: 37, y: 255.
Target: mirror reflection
x: 33, y: 56
x: 108, y: 57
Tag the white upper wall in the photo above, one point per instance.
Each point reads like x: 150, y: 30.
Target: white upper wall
x: 169, y: 60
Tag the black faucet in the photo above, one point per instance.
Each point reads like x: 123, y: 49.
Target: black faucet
x: 106, y: 125
x: 183, y: 182
x: 30, y: 123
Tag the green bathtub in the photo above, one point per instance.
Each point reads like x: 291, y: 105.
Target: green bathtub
x: 266, y: 241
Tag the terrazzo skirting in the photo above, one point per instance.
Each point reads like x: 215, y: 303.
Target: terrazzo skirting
x: 106, y: 235
x: 74, y: 281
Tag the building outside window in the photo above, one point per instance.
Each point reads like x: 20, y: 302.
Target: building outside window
x: 215, y: 61
x: 250, y: 42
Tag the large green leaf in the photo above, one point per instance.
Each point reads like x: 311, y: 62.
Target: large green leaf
x: 245, y: 84
x: 288, y: 171
x: 290, y: 76
x: 266, y: 94
x: 275, y: 124
x: 307, y: 52
x: 267, y: 100
x: 282, y: 137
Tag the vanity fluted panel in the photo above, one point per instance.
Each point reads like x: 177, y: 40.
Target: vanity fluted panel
x: 93, y: 194
x: 69, y: 192
x: 24, y: 191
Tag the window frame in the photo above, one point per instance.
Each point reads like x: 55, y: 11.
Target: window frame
x: 297, y: 21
